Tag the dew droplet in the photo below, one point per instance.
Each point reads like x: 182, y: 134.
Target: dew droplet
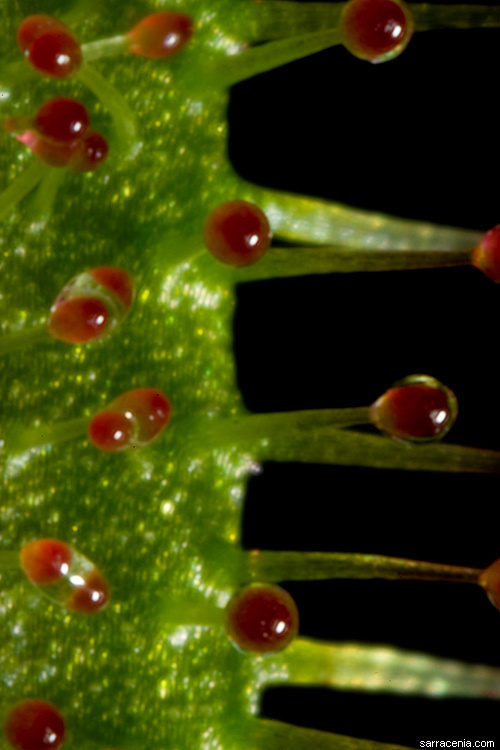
x: 46, y: 561
x: 134, y: 419
x: 65, y: 575
x: 92, y: 304
x: 486, y: 256
x: 376, y: 30
x: 33, y: 27
x: 417, y: 408
x: 490, y: 581
x: 49, y: 46
x: 34, y: 724
x: 90, y: 153
x: 237, y: 233
x: 161, y: 35
x: 262, y: 619
x: 62, y: 120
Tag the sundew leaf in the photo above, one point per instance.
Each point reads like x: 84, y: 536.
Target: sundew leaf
x: 162, y: 523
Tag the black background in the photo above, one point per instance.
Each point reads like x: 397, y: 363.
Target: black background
x: 415, y: 137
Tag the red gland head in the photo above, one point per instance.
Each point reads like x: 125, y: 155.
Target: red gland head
x: 78, y: 320
x: 91, y: 304
x: 90, y: 152
x: 262, y: 619
x: 62, y: 120
x: 66, y: 576
x: 376, y: 30
x: 90, y: 595
x: 150, y: 410
x: 45, y: 561
x: 34, y: 724
x: 134, y: 419
x: 49, y: 46
x: 33, y: 27
x: 161, y: 34
x: 111, y: 431
x: 486, y: 256
x: 119, y: 282
x: 418, y: 408
x: 237, y: 233
x: 490, y: 581
x: 52, y: 154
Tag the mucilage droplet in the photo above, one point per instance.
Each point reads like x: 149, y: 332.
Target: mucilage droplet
x: 34, y: 724
x: 161, y: 35
x: 62, y: 120
x: 49, y: 46
x: 262, y: 618
x: 92, y: 304
x: 46, y: 561
x: 65, y: 575
x: 486, y: 256
x: 490, y: 582
x: 417, y: 408
x: 237, y: 233
x: 376, y: 30
x: 134, y: 419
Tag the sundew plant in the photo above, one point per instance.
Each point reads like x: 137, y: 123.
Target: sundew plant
x: 269, y: 471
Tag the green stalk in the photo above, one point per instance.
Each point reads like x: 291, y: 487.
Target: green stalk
x: 265, y: 565
x: 20, y: 187
x: 429, y: 16
x: 18, y: 340
x: 268, y: 56
x: 330, y: 445
x: 275, y: 735
x: 318, y: 436
x: 282, y: 262
x: 278, y: 19
x: 311, y: 220
x: 382, y: 669
x: 124, y: 119
x: 20, y: 441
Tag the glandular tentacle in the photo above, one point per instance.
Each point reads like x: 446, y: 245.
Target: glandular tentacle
x: 90, y: 306
x: 320, y: 437
x: 132, y: 420
x: 275, y: 20
x: 417, y: 408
